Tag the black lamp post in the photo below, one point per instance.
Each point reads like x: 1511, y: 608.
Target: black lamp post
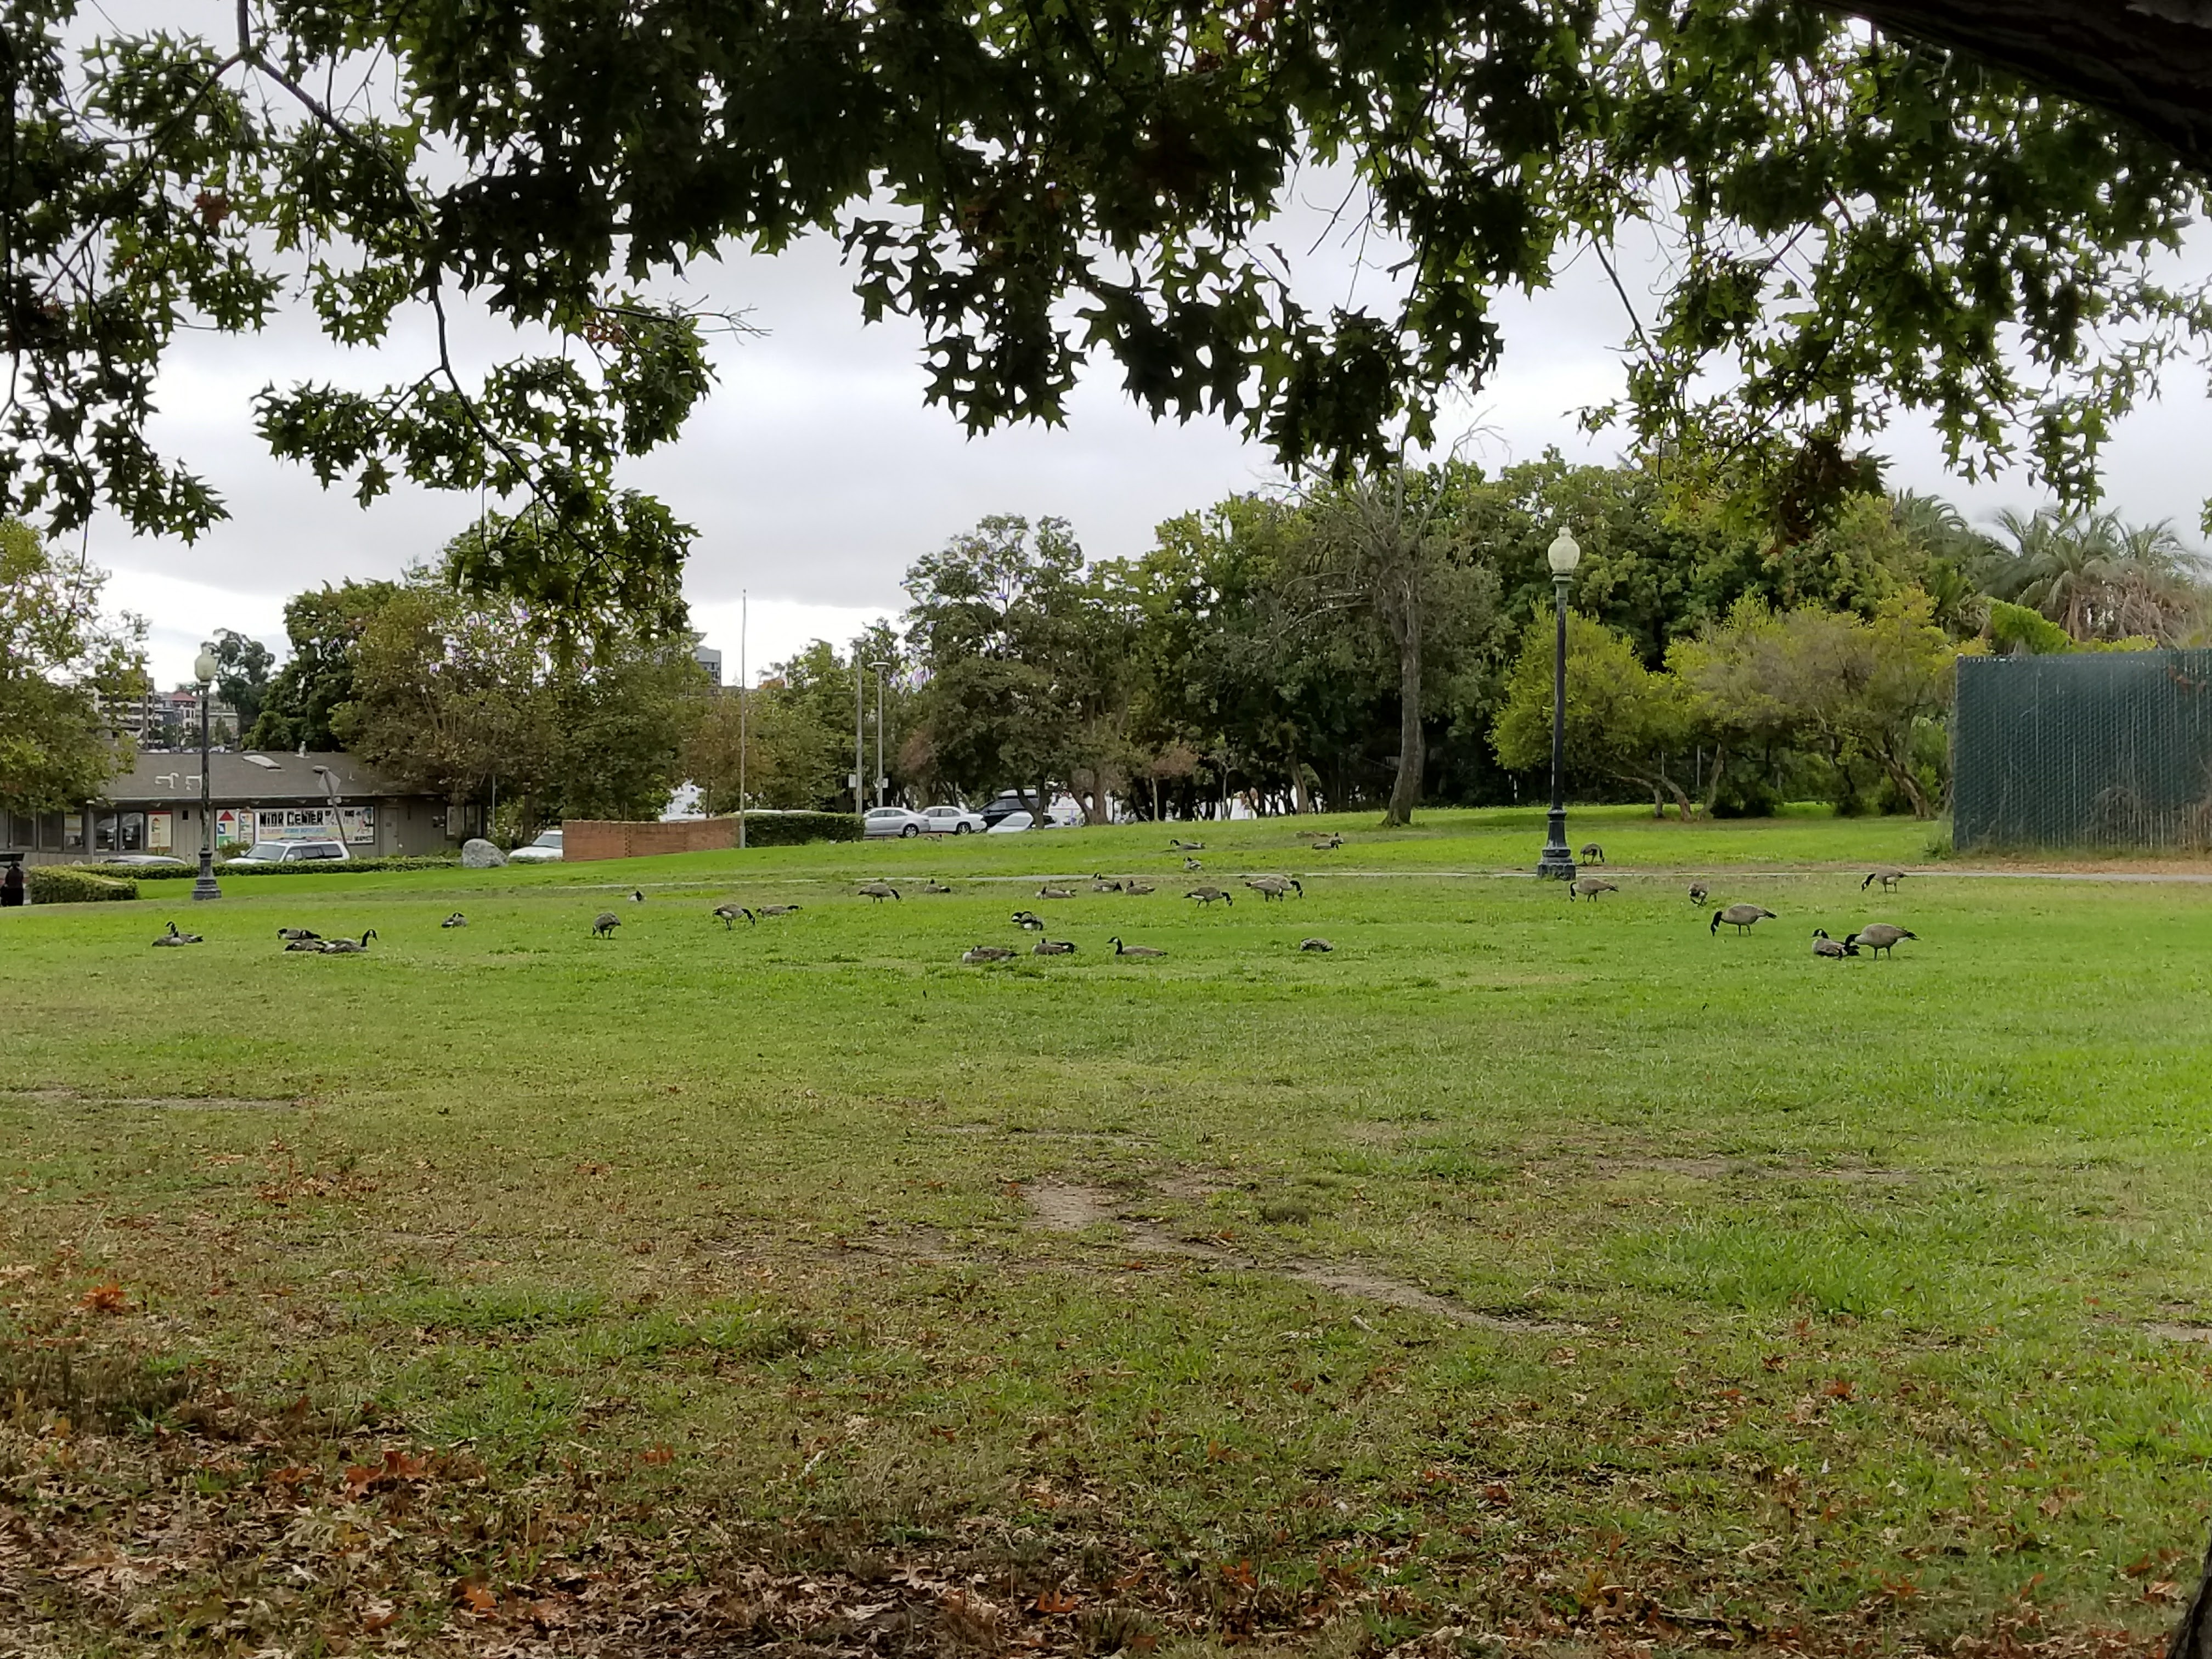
x: 206, y: 888
x: 1557, y: 861
x: 881, y: 668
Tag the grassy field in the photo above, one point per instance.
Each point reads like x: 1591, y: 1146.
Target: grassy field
x: 1560, y: 1274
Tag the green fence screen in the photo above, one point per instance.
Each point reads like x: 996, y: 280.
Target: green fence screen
x: 2111, y: 749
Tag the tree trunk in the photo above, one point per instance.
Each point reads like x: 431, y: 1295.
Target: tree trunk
x: 2149, y: 63
x: 2192, y: 1637
x: 1406, y: 789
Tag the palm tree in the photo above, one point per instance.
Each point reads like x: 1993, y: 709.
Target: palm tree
x: 2099, y: 578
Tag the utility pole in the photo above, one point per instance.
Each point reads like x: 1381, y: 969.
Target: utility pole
x: 860, y: 730
x: 743, y: 615
x: 880, y: 780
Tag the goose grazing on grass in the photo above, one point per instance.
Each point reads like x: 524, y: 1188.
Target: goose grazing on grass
x: 727, y: 914
x: 1589, y: 887
x: 1176, y: 845
x: 1593, y: 853
x: 1052, y: 947
x: 1888, y: 875
x: 1739, y: 917
x: 1314, y: 945
x: 1880, y: 937
x: 456, y: 920
x: 1275, y: 887
x: 1028, y: 921
x: 298, y: 935
x: 603, y: 923
x: 1192, y: 864
x: 1325, y: 843
x: 775, y: 910
x: 1049, y: 892
x: 172, y: 937
x: 1828, y: 949
x: 879, y: 890
x: 1137, y: 888
x: 932, y: 885
x: 1102, y: 884
x: 312, y: 945
x: 1208, y: 894
x: 637, y: 895
x: 983, y: 953
x: 1121, y: 949
x: 1697, y: 892
x: 350, y: 947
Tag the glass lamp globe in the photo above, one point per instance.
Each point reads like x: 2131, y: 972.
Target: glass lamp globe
x: 203, y: 665
x: 1565, y: 554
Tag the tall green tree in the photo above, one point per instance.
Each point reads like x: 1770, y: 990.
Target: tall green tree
x: 1625, y: 723
x: 241, y: 676
x: 322, y: 625
x: 59, y: 659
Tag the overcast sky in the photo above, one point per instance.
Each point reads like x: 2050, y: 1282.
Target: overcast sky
x: 815, y: 474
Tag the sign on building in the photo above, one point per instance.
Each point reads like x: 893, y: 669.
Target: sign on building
x: 356, y: 825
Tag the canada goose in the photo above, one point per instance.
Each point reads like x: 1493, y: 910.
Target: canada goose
x: 1192, y: 864
x: 1826, y: 947
x: 1049, y: 892
x: 1589, y: 887
x: 1208, y: 894
x: 983, y: 953
x: 1880, y: 937
x: 1031, y: 923
x: 728, y: 915
x: 879, y: 890
x: 312, y: 945
x: 1325, y: 843
x: 456, y: 920
x: 172, y: 937
x: 637, y: 895
x: 1739, y: 917
x: 1697, y: 892
x: 774, y: 909
x: 1102, y: 884
x: 1888, y: 875
x: 350, y: 947
x: 1314, y: 945
x: 1275, y: 887
x: 1052, y: 947
x: 1185, y: 846
x: 603, y: 923
x: 1121, y: 949
x: 298, y: 935
x: 1137, y: 888
x: 1593, y: 853
x: 933, y: 885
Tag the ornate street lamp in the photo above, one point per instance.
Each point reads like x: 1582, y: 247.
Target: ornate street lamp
x: 1565, y: 553
x: 203, y: 669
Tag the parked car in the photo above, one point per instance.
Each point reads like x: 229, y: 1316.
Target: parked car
x: 292, y: 852
x: 546, y: 849
x: 1013, y: 824
x: 892, y: 821
x: 954, y: 821
x: 999, y: 807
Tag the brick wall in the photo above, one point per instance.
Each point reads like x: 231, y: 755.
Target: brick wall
x: 583, y: 840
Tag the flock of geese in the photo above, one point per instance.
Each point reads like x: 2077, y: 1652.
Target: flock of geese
x: 1876, y: 939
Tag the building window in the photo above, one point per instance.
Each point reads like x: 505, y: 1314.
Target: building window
x: 65, y: 832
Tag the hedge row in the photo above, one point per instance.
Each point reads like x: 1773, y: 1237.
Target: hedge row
x: 74, y: 883
x: 312, y: 867
x: 793, y: 829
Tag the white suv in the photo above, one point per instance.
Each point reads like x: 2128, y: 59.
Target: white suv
x: 294, y: 852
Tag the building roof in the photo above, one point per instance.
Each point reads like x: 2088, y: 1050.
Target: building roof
x: 249, y: 778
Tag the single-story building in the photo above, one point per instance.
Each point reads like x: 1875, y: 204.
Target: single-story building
x: 155, y: 807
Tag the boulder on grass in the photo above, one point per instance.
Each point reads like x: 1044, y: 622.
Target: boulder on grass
x: 478, y: 854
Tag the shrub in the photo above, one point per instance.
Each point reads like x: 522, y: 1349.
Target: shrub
x: 72, y: 883
x: 793, y: 829
x: 139, y: 871
x: 344, y: 866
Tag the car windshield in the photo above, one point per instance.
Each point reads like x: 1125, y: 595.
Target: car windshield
x: 268, y: 852
x: 550, y: 838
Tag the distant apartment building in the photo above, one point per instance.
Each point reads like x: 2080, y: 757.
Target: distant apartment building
x: 171, y: 720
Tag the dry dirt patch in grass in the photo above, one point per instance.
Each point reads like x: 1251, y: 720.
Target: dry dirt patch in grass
x: 157, y: 1102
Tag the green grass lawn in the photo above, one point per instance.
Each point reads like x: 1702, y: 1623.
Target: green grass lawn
x: 1558, y: 1272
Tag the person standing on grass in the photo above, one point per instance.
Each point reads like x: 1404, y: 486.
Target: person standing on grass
x: 11, y: 886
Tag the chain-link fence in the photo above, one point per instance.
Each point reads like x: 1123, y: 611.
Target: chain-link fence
x: 2110, y: 749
